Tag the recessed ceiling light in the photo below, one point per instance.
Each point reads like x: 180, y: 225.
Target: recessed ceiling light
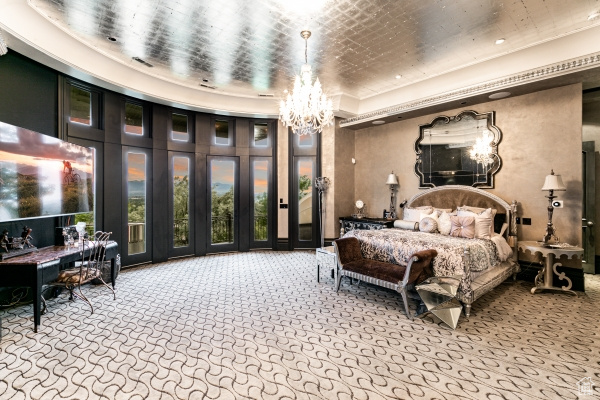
x: 499, y: 95
x: 111, y: 39
x: 463, y: 102
x: 379, y: 122
x: 204, y: 80
x: 400, y: 116
x: 398, y: 76
x: 593, y: 15
x: 285, y: 91
x: 500, y: 41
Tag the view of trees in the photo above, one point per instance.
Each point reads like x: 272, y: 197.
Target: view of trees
x: 305, y: 186
x: 181, y: 196
x: 222, y: 216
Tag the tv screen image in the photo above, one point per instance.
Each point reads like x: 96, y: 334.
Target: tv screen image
x: 42, y: 176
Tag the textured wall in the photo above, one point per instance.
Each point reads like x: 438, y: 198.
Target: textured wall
x: 540, y: 131
x: 282, y: 180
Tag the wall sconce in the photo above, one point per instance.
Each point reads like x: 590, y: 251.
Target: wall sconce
x: 552, y: 183
x: 393, y: 182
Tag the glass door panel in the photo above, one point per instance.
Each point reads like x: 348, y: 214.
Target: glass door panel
x: 260, y: 202
x: 181, y: 202
x: 136, y: 203
x: 222, y: 173
x: 305, y: 174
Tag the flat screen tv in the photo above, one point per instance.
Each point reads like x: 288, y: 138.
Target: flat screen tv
x: 42, y: 176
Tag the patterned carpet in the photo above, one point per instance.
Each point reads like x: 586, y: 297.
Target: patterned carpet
x: 258, y: 326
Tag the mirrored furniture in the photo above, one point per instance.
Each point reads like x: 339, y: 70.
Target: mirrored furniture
x: 438, y: 293
x: 458, y: 150
x: 326, y: 257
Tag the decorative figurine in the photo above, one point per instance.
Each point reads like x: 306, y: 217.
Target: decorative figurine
x: 26, y: 236
x: 4, y: 241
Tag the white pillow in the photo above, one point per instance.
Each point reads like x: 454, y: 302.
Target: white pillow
x: 484, y: 222
x: 414, y: 214
x: 444, y: 223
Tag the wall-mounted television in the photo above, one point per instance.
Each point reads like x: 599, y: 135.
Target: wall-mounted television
x: 42, y: 176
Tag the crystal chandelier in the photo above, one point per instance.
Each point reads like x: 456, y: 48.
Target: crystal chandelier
x: 482, y: 149
x: 306, y: 110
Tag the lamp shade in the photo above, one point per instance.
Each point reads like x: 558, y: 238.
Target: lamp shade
x: 392, y: 180
x: 554, y: 182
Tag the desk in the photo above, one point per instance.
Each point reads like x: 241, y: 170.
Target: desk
x: 42, y: 266
x: 543, y: 280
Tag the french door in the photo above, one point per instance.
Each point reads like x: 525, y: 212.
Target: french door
x: 223, y: 204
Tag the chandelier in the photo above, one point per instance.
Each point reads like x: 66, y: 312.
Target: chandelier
x: 306, y: 110
x: 481, y: 151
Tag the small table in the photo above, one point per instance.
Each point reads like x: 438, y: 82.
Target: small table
x: 326, y: 257
x: 543, y: 280
x: 439, y: 295
x: 350, y: 223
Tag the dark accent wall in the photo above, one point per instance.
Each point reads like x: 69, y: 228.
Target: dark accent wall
x: 29, y: 99
x: 37, y: 98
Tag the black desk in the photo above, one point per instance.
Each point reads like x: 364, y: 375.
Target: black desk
x: 42, y: 266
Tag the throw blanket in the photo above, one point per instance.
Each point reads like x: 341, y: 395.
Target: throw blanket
x: 397, y: 245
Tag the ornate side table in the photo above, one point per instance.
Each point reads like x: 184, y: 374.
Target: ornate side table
x: 543, y: 280
x: 326, y: 257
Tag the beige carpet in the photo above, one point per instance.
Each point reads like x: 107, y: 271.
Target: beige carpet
x: 258, y: 326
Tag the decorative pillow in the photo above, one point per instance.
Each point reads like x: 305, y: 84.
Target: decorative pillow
x: 428, y: 225
x: 414, y: 214
x: 484, y: 221
x: 409, y: 225
x: 462, y: 227
x: 442, y: 210
x: 444, y: 224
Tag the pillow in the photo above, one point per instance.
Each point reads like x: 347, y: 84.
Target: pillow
x: 414, y: 214
x: 428, y: 224
x: 409, y: 225
x: 444, y: 224
x: 441, y: 210
x: 484, y: 222
x: 462, y: 227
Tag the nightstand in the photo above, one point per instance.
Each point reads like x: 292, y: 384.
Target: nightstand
x: 543, y: 280
x: 351, y: 223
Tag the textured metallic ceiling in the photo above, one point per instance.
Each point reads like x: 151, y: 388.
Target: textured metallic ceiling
x: 247, y: 47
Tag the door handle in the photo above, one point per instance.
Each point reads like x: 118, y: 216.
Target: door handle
x: 590, y: 223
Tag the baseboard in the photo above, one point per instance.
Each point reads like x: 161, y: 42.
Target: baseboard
x: 529, y: 272
x: 597, y: 264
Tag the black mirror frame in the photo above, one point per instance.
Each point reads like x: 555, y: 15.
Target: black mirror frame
x: 491, y: 120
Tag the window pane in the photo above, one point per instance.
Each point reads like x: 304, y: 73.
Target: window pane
x: 81, y: 106
x: 261, y: 199
x: 305, y: 179
x: 136, y: 202
x: 181, y: 202
x: 261, y: 137
x: 133, y: 119
x: 222, y: 182
x: 180, y: 127
x: 305, y: 140
x: 222, y: 132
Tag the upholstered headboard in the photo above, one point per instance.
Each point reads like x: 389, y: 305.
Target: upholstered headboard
x: 453, y: 196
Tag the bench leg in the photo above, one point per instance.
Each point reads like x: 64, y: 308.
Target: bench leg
x: 338, y: 280
x: 405, y: 300
x: 467, y: 311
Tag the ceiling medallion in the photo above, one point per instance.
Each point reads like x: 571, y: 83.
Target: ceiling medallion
x: 306, y: 109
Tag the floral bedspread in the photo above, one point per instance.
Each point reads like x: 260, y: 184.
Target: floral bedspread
x: 397, y: 245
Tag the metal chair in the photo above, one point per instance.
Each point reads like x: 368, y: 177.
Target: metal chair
x: 89, y: 269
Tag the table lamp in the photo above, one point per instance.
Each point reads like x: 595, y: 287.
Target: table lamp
x: 392, y: 181
x: 552, y: 183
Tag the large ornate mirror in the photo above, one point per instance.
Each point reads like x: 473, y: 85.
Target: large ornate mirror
x: 459, y: 150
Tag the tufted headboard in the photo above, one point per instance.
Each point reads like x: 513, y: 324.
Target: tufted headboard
x: 453, y: 196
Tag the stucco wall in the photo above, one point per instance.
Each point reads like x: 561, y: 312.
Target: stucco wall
x: 540, y: 132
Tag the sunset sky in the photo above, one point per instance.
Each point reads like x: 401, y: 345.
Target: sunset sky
x: 136, y: 166
x: 260, y: 176
x: 181, y: 167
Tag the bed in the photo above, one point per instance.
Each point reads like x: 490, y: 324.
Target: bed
x: 481, y: 264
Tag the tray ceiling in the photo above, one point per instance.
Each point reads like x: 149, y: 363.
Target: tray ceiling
x: 358, y: 47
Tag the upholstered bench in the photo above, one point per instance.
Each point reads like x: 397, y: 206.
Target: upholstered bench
x: 392, y: 276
